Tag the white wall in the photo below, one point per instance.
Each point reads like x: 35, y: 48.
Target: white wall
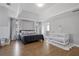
x: 38, y: 26
x: 26, y: 25
x: 59, y: 8
x: 4, y: 23
x: 66, y: 23
x: 29, y: 25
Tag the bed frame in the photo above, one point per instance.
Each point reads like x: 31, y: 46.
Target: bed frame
x: 31, y: 38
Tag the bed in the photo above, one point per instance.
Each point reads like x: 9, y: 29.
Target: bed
x: 27, y: 36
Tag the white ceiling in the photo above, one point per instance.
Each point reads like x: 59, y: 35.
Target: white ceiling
x: 31, y: 7
x: 31, y: 11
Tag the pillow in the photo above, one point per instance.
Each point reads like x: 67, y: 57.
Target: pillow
x: 28, y: 32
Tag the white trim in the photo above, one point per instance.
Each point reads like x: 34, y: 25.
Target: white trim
x: 18, y: 10
x: 28, y: 19
x: 76, y: 45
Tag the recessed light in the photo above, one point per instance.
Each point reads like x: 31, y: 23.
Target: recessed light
x: 40, y: 4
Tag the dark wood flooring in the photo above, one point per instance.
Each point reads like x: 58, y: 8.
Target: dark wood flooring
x: 16, y: 48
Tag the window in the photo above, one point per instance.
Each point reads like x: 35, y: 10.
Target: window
x: 48, y: 27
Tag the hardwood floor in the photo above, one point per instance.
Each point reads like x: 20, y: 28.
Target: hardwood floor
x: 16, y: 48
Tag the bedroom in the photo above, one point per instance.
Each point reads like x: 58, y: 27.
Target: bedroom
x: 52, y: 26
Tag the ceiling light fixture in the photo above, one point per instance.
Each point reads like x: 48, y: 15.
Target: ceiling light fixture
x: 40, y: 4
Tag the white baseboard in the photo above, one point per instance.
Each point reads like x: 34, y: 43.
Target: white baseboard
x: 76, y: 45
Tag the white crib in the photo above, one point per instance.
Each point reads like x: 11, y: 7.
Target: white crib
x: 61, y: 38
